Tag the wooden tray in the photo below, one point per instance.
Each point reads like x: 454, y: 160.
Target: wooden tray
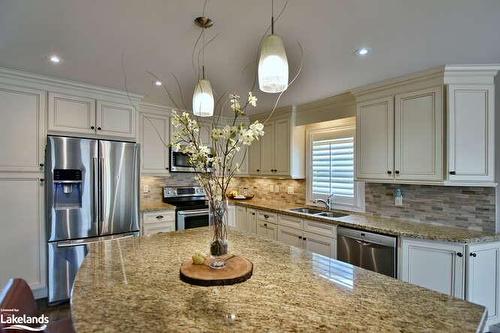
x: 237, y: 270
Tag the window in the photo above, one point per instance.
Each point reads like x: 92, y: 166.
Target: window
x: 331, y: 163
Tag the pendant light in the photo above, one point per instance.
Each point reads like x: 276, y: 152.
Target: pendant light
x: 203, y: 97
x: 273, y: 64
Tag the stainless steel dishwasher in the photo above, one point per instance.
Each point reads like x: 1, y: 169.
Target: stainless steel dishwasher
x: 368, y: 250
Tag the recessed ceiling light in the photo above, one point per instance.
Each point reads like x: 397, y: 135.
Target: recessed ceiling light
x: 158, y: 83
x: 55, y: 59
x: 362, y: 51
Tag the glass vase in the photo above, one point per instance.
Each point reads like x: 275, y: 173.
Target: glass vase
x: 218, y: 224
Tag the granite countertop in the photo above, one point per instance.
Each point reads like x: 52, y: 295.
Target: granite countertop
x: 133, y: 285
x: 390, y: 226
x: 155, y: 206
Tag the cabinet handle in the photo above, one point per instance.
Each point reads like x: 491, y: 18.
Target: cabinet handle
x: 300, y: 237
x: 41, y: 165
x: 266, y: 216
x: 389, y: 172
x: 258, y: 170
x: 452, y: 172
x: 166, y: 168
x: 92, y: 127
x: 459, y: 254
x: 98, y: 128
x: 159, y: 217
x: 396, y: 172
x: 472, y: 254
x: 304, y: 238
x: 42, y: 180
x: 253, y: 213
x: 265, y: 225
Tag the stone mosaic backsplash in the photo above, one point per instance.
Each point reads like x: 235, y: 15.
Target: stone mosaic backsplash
x: 466, y: 207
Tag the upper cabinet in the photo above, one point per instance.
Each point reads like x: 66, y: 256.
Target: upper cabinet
x: 22, y: 119
x: 281, y: 151
x: 154, y: 129
x: 71, y: 113
x: 402, y: 135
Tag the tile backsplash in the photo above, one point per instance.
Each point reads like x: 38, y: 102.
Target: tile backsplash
x: 465, y: 207
x: 273, y: 189
x: 156, y: 184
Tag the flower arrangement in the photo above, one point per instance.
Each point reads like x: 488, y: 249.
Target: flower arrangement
x: 216, y: 165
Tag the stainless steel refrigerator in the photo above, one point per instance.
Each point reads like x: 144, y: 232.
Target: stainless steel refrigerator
x: 92, y: 194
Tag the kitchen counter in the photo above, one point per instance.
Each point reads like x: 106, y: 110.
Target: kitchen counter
x: 133, y: 286
x: 155, y: 206
x: 390, y: 226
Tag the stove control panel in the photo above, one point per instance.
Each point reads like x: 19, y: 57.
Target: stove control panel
x: 173, y: 192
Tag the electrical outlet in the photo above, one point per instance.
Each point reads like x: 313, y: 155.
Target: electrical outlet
x: 398, y: 197
x: 146, y: 189
x: 290, y: 190
x: 276, y: 189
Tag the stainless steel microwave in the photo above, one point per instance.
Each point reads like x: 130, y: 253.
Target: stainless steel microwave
x: 179, y: 162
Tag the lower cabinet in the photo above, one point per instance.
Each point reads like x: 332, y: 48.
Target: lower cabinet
x: 22, y: 240
x: 434, y: 265
x: 291, y: 236
x: 241, y: 218
x: 483, y: 267
x: 467, y: 271
x: 155, y: 222
x: 251, y: 221
x: 267, y: 230
x: 323, y: 245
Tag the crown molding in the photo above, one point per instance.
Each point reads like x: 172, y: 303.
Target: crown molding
x: 44, y: 82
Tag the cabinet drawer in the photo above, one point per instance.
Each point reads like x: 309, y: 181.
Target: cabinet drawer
x: 290, y: 221
x: 157, y: 217
x: 150, y: 229
x: 267, y: 216
x: 321, y: 228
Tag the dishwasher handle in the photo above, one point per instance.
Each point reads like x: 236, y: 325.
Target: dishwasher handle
x: 368, y: 237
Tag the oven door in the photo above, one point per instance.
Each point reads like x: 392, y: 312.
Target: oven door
x: 189, y: 219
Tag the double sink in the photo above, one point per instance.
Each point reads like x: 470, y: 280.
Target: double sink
x: 318, y: 212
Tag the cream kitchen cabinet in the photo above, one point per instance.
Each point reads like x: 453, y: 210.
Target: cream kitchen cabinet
x: 483, y: 269
x: 154, y: 128
x: 375, y: 139
x: 241, y: 218
x: 471, y: 133
x: 71, y: 113
x: 281, y: 151
x: 155, y: 222
x: 231, y: 216
x: 291, y: 236
x: 251, y: 221
x: 22, y: 119
x: 326, y: 246
x: 434, y: 265
x: 400, y: 138
x: 22, y: 240
x: 267, y: 230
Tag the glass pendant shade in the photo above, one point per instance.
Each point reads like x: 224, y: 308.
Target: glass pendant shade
x: 203, y: 99
x: 273, y: 65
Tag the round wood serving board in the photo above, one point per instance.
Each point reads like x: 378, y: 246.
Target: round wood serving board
x: 236, y: 270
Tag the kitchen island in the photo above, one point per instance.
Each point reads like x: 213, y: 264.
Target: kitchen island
x: 133, y: 286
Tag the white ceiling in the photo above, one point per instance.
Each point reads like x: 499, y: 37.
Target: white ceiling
x: 158, y: 35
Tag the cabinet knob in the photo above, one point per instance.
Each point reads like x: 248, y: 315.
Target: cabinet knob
x: 265, y: 225
x: 389, y: 172
x: 452, y: 172
x: 266, y: 216
x: 98, y: 128
x: 253, y: 213
x: 396, y: 172
x: 92, y: 127
x: 166, y: 168
x: 300, y: 237
x: 42, y: 180
x: 258, y: 170
x: 472, y: 254
x: 41, y: 165
x: 159, y: 217
x: 459, y: 254
x: 304, y: 238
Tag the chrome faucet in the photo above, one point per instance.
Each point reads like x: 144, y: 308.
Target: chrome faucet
x: 328, y: 202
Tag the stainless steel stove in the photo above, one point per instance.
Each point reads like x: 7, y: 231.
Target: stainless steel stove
x: 191, y: 206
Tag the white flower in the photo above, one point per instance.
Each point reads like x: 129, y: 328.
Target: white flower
x: 252, y: 100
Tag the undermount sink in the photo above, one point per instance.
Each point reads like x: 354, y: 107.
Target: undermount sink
x: 318, y: 212
x: 331, y: 214
x: 305, y: 210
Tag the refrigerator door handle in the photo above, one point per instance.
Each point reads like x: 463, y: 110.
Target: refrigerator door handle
x: 95, y: 192
x: 100, y: 185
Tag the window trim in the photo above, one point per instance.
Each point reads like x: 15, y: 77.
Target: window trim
x: 330, y: 128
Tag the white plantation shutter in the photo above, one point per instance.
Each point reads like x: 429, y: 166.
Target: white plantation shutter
x: 333, y: 168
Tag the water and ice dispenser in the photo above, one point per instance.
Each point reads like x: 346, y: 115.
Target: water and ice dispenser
x: 67, y: 188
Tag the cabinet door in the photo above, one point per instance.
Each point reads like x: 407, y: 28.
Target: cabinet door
x: 241, y: 217
x: 267, y: 230
x: 282, y: 147
x: 419, y: 135
x: 434, y: 265
x: 154, y: 138
x: 231, y: 216
x: 22, y: 130
x: 116, y: 119
x: 483, y: 268
x: 375, y: 139
x: 471, y: 136
x: 22, y: 240
x: 325, y: 246
x: 267, y: 150
x: 252, y: 221
x: 290, y: 236
x: 71, y: 114
x: 254, y: 158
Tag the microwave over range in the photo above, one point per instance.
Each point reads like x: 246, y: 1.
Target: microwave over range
x: 179, y: 162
